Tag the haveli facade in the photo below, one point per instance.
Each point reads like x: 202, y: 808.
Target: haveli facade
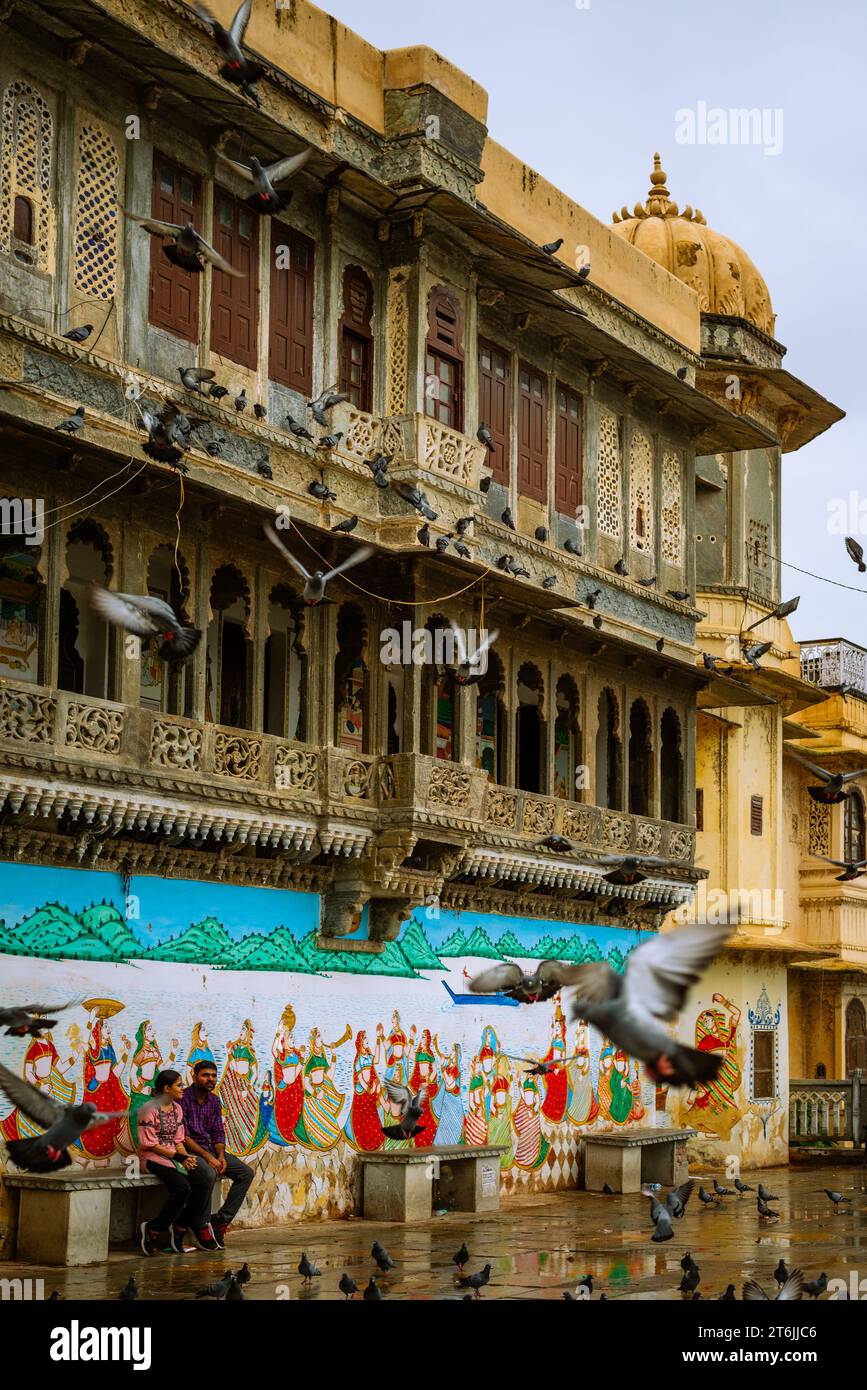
x: 308, y: 810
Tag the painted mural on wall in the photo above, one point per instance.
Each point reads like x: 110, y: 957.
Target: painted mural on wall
x: 304, y: 1048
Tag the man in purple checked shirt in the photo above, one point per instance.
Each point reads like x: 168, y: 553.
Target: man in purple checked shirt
x: 205, y: 1137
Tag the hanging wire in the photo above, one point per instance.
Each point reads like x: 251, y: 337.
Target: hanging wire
x: 61, y: 521
x: 401, y: 602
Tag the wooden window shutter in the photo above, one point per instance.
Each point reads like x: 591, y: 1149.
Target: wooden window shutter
x: 568, y: 451
x: 699, y: 808
x: 756, y: 815
x: 174, y: 293
x: 532, y: 433
x: 290, y: 324
x: 356, y: 338
x: 444, y: 359
x: 763, y: 1065
x: 234, y: 301
x: 495, y: 405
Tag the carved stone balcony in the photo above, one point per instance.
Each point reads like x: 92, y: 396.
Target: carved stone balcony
x: 832, y: 663
x: 415, y: 441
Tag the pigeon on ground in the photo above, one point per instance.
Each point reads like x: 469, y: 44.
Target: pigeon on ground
x: 243, y: 1275
x: 80, y: 334
x: 729, y: 1296
x: 238, y: 69
x: 754, y: 653
x: 411, y: 1105
x: 169, y: 434
x: 347, y: 1285
x: 299, y: 430
x: 767, y: 1196
x: 681, y: 595
x: 346, y: 526
x: 470, y: 669
x: 676, y: 1199
x: 410, y: 493
x: 631, y: 1009
x: 557, y: 844
x: 241, y: 401
x: 608, y: 1190
x: 743, y: 1187
x: 552, y: 247
x: 549, y: 581
x: 264, y: 177
x: 326, y: 400
x: 381, y: 1257
x: 707, y: 1199
x: 23, y: 1020
x: 315, y: 583
x: 234, y: 1293
x: 319, y: 490
x: 585, y: 1283
x: 507, y: 520
x: 549, y: 977
x: 621, y: 567
x: 572, y: 547
x: 687, y: 1260
x: 791, y: 1289
x: 722, y: 1191
x: 129, y: 1292
x: 483, y: 434
x: 308, y: 1271
x: 147, y: 617
x: 461, y: 1257
x: 185, y: 247
x: 423, y: 535
x: 856, y: 553
x: 476, y: 1281
x: 766, y: 1213
x: 816, y: 1286
x: 218, y: 1288
x: 832, y: 790
x: 63, y: 1125
x: 690, y: 1281
x: 194, y: 377
x: 217, y: 392
x: 330, y: 441
x: 372, y: 1292
x: 836, y: 1197
x: 73, y: 424
x: 781, y: 1274
x: 852, y: 869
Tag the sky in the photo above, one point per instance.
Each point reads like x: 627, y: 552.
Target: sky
x: 585, y: 92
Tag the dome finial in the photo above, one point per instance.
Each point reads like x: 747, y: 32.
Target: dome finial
x: 658, y: 198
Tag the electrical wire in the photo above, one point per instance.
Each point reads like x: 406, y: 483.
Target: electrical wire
x: 61, y: 521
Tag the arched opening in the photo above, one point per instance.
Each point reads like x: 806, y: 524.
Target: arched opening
x: 567, y: 740
x: 164, y: 686
x: 853, y: 829
x: 285, y: 675
x: 491, y: 721
x: 229, y: 650
x: 640, y: 754
x: 439, y: 723
x: 530, y: 731
x: 83, y: 638
x: 22, y: 610
x: 609, y: 756
x: 670, y: 768
x: 394, y: 709
x: 22, y: 220
x: 351, y: 722
x: 856, y: 1037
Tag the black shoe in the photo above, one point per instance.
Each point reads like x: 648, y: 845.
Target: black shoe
x: 218, y: 1231
x: 148, y: 1239
x: 205, y: 1239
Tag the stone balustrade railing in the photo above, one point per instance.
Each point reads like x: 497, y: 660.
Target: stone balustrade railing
x: 827, y: 1110
x: 522, y: 813
x: 412, y: 440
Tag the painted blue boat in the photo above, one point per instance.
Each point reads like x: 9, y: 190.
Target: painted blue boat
x: 481, y: 998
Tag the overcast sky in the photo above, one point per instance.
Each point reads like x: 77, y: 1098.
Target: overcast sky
x: 585, y: 95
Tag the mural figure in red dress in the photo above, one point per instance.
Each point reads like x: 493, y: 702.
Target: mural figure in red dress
x: 288, y: 1080
x: 557, y: 1080
x: 363, y: 1129
x: 424, y: 1073
x: 102, y: 1078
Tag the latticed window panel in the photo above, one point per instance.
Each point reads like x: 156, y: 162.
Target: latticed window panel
x: 26, y: 171
x: 641, y: 492
x: 672, y: 516
x: 609, y: 476
x: 96, y: 210
x: 818, y: 827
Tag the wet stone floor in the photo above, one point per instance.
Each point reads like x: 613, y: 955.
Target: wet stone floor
x: 538, y: 1247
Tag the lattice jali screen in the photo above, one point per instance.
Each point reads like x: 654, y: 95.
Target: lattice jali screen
x: 397, y: 318
x: 26, y: 171
x: 672, y: 532
x: 641, y: 492
x: 818, y: 827
x: 609, y: 483
x: 96, y: 212
x: 758, y: 557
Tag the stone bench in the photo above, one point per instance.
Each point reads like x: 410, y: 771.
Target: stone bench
x: 70, y: 1218
x: 628, y: 1160
x: 401, y: 1184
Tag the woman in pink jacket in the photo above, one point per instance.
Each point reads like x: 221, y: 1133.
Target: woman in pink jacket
x: 163, y: 1155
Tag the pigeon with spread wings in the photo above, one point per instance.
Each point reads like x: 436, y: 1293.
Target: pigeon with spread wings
x: 33, y: 1019
x: 238, y: 68
x: 63, y: 1125
x: 314, y: 584
x: 407, y: 1126
x: 792, y: 1289
x: 185, y: 248
x: 266, y: 198
x: 547, y: 979
x: 833, y: 787
x: 631, y: 1009
x: 469, y: 670
x: 169, y: 434
x: 147, y: 617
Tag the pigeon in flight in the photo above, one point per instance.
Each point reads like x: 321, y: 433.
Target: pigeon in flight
x: 237, y: 68
x: 266, y: 199
x: 25, y: 1020
x: 470, y: 669
x: 169, y: 434
x: 411, y: 1105
x: 557, y: 844
x: 347, y: 1285
x: 326, y: 400
x: 532, y: 1067
x: 80, y: 334
x: 315, y: 583
x: 629, y: 869
x: 712, y: 663
x: 852, y: 869
x: 661, y: 1218
x: 856, y: 553
x: 193, y: 377
x: 73, y: 424
x: 632, y: 1008
x: 792, y: 1288
x: 834, y: 783
x: 477, y: 1281
x: 308, y: 1271
x: 547, y: 979
x: 147, y: 617
x: 185, y: 247
x: 379, y: 468
x: 754, y: 653
x: 677, y: 1198
x: 836, y: 1197
x: 381, y: 1257
x: 62, y: 1124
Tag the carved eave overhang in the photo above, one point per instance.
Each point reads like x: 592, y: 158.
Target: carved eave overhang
x: 785, y: 689
x: 837, y: 965
x: 771, y: 396
x: 773, y: 941
x: 495, y: 865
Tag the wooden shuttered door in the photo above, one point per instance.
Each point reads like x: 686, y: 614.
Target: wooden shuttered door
x: 356, y: 338
x: 444, y: 360
x: 235, y: 301
x: 532, y: 433
x: 568, y: 452
x: 174, y: 293
x: 290, y: 323
x: 495, y: 405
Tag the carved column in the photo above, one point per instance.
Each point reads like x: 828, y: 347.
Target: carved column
x: 200, y: 601
x: 131, y: 564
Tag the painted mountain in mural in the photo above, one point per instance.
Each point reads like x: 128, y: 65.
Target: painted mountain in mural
x: 417, y: 949
x: 477, y: 944
x: 509, y: 945
x: 275, y: 952
x: 56, y: 932
x: 392, y: 962
x: 105, y: 922
x: 203, y: 943
x: 455, y: 946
